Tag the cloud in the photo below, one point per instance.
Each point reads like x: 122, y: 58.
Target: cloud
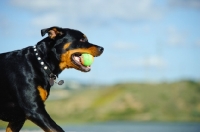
x: 151, y: 61
x: 47, y: 20
x: 176, y: 37
x: 37, y: 5
x: 90, y: 12
x: 185, y: 3
x: 124, y: 46
x: 142, y: 62
x: 198, y: 42
x: 6, y: 25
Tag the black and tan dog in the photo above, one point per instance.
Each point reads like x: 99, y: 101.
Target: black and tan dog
x: 26, y: 76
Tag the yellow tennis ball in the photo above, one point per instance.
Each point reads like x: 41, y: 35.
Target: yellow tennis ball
x: 87, y: 59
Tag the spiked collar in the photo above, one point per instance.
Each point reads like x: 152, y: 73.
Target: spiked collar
x: 52, y: 76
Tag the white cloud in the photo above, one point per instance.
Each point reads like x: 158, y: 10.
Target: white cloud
x: 37, y: 5
x: 124, y: 46
x: 151, y: 61
x: 143, y: 62
x: 176, y: 37
x: 47, y: 20
x: 90, y: 11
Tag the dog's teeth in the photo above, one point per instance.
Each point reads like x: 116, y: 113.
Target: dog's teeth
x: 77, y: 58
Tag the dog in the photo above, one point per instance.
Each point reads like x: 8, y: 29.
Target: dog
x: 27, y: 75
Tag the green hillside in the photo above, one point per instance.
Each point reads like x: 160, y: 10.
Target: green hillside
x: 178, y: 101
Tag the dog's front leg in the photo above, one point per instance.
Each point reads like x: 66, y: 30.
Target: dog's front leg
x: 15, y: 126
x: 31, y: 102
x: 41, y: 118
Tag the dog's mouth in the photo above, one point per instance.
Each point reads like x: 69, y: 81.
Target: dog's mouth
x: 76, y: 59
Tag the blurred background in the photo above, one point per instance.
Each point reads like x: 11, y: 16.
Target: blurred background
x: 149, y: 71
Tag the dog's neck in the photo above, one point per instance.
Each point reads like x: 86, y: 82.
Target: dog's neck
x: 41, y: 51
x: 48, y: 54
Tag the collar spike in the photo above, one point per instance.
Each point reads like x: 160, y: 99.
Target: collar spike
x: 52, y: 77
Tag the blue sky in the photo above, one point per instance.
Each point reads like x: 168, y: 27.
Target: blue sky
x: 146, y: 40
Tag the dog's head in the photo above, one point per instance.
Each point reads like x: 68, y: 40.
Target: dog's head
x: 68, y: 45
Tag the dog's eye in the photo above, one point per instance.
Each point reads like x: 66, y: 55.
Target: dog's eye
x: 84, y: 40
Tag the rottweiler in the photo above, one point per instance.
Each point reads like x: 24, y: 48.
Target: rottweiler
x: 27, y: 75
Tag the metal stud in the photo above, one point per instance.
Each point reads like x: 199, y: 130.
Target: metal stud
x: 36, y: 53
x: 45, y: 67
x: 42, y: 63
x: 35, y: 49
x: 39, y: 58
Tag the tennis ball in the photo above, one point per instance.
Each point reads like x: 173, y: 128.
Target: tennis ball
x: 87, y: 59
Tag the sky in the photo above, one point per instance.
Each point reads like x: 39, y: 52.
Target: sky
x: 144, y: 40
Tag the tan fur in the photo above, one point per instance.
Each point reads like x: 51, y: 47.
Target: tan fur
x: 43, y: 93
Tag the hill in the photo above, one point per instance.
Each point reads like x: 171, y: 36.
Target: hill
x: 179, y: 101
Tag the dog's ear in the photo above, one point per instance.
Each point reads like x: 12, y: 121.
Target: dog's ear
x: 52, y: 32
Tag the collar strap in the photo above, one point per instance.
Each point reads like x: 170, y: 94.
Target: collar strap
x: 52, y: 76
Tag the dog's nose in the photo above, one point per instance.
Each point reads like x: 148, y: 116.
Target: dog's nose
x: 100, y: 49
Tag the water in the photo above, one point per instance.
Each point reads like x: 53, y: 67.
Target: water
x: 128, y: 127
x: 136, y: 127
